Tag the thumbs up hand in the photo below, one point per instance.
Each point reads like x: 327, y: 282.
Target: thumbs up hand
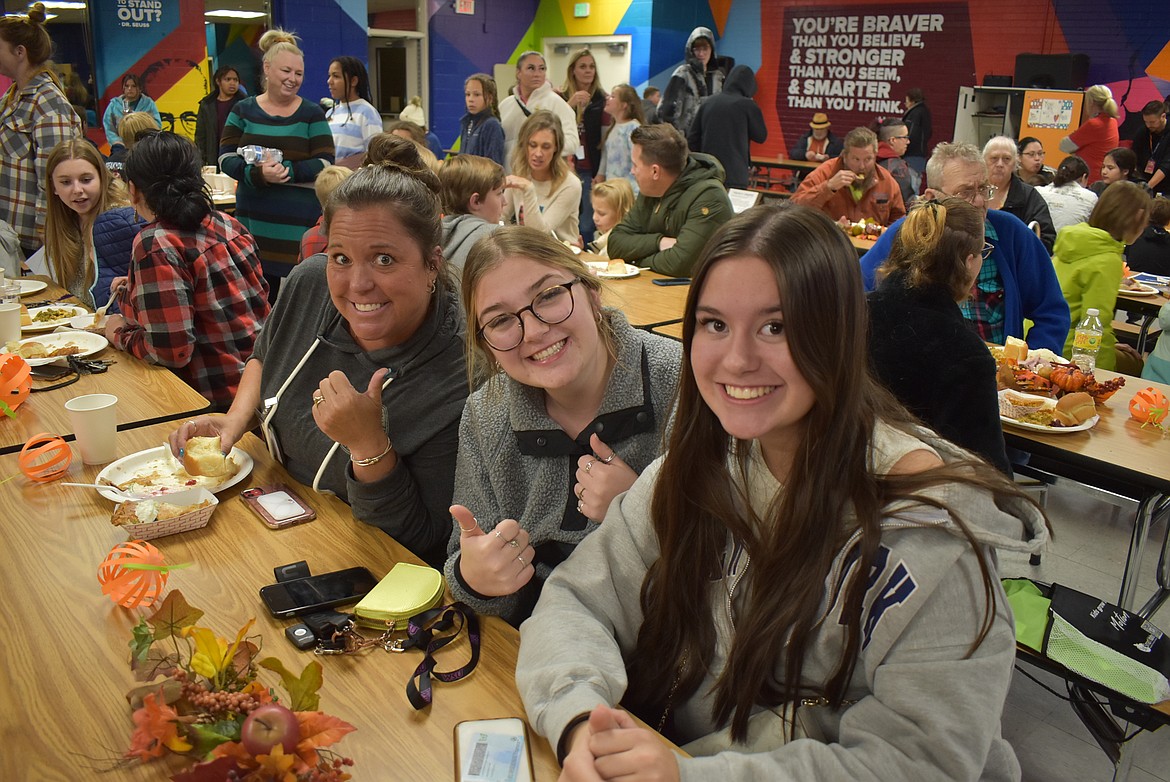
x: 601, y: 477
x: 351, y: 417
x: 493, y: 563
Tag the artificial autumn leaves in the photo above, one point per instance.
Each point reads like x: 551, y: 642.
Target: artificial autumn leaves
x: 199, y: 689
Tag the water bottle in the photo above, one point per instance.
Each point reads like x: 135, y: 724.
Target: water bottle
x: 1087, y: 341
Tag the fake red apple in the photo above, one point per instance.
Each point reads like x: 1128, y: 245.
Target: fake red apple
x: 269, y: 725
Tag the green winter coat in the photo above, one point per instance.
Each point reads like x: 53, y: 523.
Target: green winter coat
x: 690, y: 211
x: 1088, y: 265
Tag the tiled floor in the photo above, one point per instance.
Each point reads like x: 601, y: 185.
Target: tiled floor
x: 1087, y: 552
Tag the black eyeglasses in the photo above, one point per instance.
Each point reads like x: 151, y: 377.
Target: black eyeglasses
x: 552, y: 305
x: 900, y: 138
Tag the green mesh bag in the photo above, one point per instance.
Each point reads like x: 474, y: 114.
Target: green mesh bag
x: 1108, y: 645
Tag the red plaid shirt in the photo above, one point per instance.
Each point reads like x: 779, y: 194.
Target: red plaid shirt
x: 196, y: 304
x: 32, y: 122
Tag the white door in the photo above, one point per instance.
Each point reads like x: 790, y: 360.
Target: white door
x: 610, y: 52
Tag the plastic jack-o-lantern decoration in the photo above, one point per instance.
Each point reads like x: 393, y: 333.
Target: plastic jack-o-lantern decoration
x: 15, y: 382
x: 45, y: 457
x: 133, y: 574
x: 1149, y: 406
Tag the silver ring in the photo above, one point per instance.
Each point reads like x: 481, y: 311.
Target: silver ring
x: 465, y: 529
x: 588, y: 466
x: 497, y: 532
x: 609, y: 458
x: 520, y: 559
x: 581, y: 507
x: 513, y: 543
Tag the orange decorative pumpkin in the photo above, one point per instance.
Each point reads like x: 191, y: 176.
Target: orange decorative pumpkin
x: 15, y: 382
x: 1149, y: 406
x: 1069, y: 378
x: 142, y: 582
x: 45, y: 457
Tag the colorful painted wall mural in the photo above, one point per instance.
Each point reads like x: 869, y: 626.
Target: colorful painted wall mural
x: 854, y: 60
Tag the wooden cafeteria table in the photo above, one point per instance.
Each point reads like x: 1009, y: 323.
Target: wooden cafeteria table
x: 644, y: 303
x: 1117, y: 455
x: 1145, y: 306
x: 763, y: 179
x: 63, y: 712
x: 146, y: 393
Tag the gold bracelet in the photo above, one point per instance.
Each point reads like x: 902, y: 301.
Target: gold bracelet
x: 373, y: 459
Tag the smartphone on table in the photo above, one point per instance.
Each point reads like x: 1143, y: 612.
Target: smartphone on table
x: 316, y: 593
x: 277, y: 506
x: 492, y: 751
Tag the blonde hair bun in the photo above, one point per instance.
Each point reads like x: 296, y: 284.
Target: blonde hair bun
x: 276, y: 36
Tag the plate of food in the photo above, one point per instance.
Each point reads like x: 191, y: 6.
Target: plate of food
x: 29, y: 287
x: 1073, y: 413
x: 1131, y: 287
x: 613, y: 270
x: 156, y: 472
x: 47, y: 348
x: 50, y: 317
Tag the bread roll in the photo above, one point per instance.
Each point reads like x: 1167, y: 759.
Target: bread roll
x: 202, y: 456
x: 1074, y: 409
x: 1015, y: 350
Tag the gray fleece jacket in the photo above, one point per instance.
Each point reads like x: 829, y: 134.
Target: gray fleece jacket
x: 460, y: 232
x: 923, y: 710
x: 421, y: 407
x: 515, y: 462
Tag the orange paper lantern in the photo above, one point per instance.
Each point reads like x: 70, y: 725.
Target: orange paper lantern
x: 132, y: 587
x: 1149, y: 406
x: 45, y: 457
x: 15, y: 382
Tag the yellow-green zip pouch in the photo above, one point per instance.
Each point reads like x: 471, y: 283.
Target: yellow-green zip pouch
x: 403, y: 592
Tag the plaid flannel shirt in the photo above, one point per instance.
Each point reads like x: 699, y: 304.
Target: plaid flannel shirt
x: 197, y: 302
x: 32, y: 122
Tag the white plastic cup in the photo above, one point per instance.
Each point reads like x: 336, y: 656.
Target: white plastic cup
x: 95, y: 422
x: 9, y: 323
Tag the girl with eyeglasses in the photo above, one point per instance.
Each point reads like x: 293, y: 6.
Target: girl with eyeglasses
x: 921, y: 348
x: 577, y: 404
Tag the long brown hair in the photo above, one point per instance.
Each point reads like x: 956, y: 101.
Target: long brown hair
x: 68, y: 235
x: 830, y: 493
x: 541, y: 120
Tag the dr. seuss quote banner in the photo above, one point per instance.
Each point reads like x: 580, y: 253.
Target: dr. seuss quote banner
x: 857, y: 67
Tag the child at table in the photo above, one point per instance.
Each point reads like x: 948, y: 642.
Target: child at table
x: 472, y: 191
x: 612, y: 200
x: 328, y: 180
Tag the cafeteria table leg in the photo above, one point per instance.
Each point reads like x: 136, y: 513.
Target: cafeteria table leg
x: 1148, y: 509
x: 1162, y: 574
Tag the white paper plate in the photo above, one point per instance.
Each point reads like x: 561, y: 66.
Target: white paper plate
x: 159, y: 460
x: 600, y: 268
x: 89, y: 344
x: 1141, y: 290
x: 1148, y: 278
x: 29, y: 287
x: 38, y: 326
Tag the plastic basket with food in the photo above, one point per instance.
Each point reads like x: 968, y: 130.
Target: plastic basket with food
x: 153, y: 518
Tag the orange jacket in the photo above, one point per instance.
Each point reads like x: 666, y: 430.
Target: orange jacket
x: 882, y: 199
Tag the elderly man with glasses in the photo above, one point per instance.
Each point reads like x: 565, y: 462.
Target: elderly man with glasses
x: 1017, y: 282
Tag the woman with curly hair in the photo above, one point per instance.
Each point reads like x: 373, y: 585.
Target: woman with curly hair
x: 541, y: 192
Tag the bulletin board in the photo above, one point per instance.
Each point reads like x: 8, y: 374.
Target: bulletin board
x: 1050, y: 115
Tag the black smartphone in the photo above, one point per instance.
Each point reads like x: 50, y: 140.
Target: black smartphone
x: 49, y: 372
x: 316, y: 593
x: 672, y: 281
